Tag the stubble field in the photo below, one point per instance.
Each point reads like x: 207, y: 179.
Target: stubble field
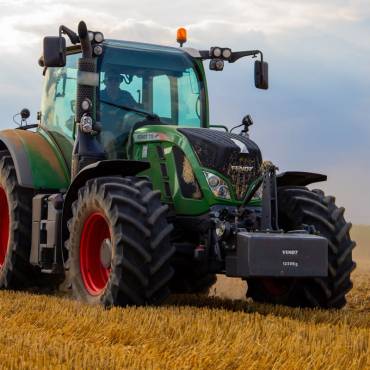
x: 190, y: 332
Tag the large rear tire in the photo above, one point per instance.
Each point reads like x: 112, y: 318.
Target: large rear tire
x: 119, y: 246
x: 299, y: 207
x: 15, y: 228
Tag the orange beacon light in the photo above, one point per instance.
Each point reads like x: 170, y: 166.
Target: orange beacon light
x: 181, y: 36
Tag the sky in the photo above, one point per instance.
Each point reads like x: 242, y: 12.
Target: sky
x: 314, y: 117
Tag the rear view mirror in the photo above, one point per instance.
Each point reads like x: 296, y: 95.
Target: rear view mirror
x: 54, y: 51
x: 261, y: 75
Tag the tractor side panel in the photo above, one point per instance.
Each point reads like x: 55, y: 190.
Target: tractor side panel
x: 38, y: 161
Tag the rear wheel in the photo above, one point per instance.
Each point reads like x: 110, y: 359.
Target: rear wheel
x: 15, y: 228
x: 119, y: 248
x: 298, y: 208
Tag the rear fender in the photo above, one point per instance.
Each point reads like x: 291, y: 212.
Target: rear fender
x: 37, y: 160
x: 299, y: 178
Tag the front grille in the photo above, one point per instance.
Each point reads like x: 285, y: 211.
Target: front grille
x: 218, y: 151
x: 242, y: 171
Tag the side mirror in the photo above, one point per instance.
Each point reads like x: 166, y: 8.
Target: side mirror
x: 261, y: 75
x: 54, y: 51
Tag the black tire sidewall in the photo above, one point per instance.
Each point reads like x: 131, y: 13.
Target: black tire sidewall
x: 16, y: 272
x: 139, y: 232
x: 87, y: 207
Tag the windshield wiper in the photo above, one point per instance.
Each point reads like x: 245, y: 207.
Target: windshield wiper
x: 149, y: 115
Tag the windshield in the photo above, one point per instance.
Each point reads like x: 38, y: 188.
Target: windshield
x: 137, y: 82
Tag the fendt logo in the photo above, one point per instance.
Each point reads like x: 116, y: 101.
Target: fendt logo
x: 243, y: 169
x: 290, y: 251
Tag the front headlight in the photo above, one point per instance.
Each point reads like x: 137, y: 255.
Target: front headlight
x: 217, y: 185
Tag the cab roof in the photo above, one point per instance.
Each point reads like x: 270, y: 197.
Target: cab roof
x: 142, y: 46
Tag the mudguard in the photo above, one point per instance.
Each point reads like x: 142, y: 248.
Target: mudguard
x: 38, y: 162
x: 120, y: 167
x: 299, y: 178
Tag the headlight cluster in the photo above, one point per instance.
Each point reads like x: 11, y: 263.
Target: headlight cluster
x: 223, y: 53
x: 217, y: 185
x: 218, y: 56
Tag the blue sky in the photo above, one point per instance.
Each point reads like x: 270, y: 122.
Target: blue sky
x: 314, y: 117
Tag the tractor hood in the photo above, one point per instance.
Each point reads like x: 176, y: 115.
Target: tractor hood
x: 234, y: 156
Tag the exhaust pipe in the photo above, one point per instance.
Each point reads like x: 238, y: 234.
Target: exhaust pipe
x: 87, y: 149
x: 83, y: 34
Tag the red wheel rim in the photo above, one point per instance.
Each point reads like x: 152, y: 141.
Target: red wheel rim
x: 95, y: 276
x: 4, y: 226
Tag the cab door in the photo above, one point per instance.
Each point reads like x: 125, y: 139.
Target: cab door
x: 58, y: 105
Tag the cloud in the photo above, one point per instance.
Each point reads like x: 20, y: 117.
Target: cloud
x: 316, y: 114
x: 145, y: 21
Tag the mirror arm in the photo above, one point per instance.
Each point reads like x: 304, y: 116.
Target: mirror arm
x: 72, y: 35
x: 241, y: 54
x: 205, y: 54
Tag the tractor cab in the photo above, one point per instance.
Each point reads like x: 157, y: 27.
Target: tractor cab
x: 135, y: 80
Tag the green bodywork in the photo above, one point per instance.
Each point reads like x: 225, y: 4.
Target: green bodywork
x: 38, y: 161
x: 147, y: 150
x: 48, y: 160
x: 49, y: 168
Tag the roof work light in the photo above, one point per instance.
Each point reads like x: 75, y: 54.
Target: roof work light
x: 181, y: 36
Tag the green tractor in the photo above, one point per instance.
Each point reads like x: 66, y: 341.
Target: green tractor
x: 123, y: 192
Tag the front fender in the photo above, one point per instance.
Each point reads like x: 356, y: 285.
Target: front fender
x: 37, y: 160
x: 117, y: 167
x: 299, y: 178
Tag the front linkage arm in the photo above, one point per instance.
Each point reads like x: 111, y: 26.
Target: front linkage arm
x: 269, y: 219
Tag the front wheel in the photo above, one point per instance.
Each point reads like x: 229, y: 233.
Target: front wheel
x: 119, y: 247
x: 298, y: 208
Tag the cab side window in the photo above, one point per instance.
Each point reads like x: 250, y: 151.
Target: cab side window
x: 189, y: 99
x: 59, y: 97
x: 162, y: 97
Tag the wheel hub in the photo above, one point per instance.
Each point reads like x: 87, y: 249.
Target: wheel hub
x: 106, y: 253
x: 95, y: 253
